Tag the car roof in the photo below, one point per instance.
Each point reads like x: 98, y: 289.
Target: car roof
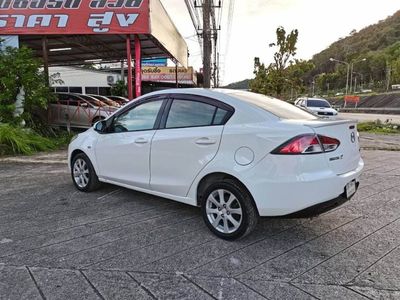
x: 249, y: 106
x: 225, y: 95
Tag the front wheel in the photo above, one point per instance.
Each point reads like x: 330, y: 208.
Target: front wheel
x: 228, y: 210
x: 83, y: 174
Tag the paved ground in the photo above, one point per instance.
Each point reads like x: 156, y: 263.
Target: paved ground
x: 372, y: 141
x: 57, y: 243
x: 395, y: 119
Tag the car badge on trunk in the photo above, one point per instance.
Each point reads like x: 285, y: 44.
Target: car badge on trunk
x: 353, y: 137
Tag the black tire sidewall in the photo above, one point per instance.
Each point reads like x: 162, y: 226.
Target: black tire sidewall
x: 241, y: 196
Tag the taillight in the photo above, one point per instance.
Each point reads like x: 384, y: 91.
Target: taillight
x: 307, y: 144
x: 329, y: 144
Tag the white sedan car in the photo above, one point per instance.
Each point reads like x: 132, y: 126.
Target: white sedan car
x: 237, y: 155
x: 318, y: 106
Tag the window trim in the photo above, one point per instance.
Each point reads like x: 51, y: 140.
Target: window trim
x: 195, y: 98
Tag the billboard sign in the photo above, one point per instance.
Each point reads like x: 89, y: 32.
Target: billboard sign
x: 154, y: 62
x: 19, y: 17
x: 167, y: 74
x: 350, y: 98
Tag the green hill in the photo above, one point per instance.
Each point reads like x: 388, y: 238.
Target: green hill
x: 378, y: 44
x: 240, y: 85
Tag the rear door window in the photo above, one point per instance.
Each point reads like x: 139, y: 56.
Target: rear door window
x: 188, y: 113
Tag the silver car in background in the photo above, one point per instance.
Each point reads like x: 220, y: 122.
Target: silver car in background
x: 318, y: 106
x: 78, y: 111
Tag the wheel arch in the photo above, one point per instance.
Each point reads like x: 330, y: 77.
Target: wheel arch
x: 75, y: 153
x: 209, y: 178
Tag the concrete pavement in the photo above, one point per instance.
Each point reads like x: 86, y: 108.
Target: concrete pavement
x: 58, y: 243
x: 370, y: 117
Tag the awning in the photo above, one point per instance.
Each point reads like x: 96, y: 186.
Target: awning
x: 78, y: 31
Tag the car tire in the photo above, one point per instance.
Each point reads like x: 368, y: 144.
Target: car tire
x: 234, y: 217
x: 83, y: 174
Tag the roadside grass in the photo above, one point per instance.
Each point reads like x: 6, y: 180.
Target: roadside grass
x: 18, y: 140
x: 379, y: 127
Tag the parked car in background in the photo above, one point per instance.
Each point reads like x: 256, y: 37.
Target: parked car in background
x: 121, y: 100
x: 78, y: 111
x: 106, y: 100
x: 237, y: 155
x: 318, y: 106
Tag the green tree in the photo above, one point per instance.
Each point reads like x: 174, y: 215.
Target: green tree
x: 273, y: 79
x: 19, y: 69
x: 260, y: 84
x: 119, y: 89
x: 295, y: 74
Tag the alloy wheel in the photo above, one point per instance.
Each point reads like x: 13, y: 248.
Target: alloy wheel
x: 224, y: 211
x: 81, y: 173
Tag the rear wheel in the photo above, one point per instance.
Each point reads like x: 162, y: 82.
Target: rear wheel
x: 228, y: 210
x: 83, y: 174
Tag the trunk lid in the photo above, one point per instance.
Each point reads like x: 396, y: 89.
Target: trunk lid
x: 347, y: 156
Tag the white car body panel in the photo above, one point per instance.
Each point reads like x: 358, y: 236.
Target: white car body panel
x: 178, y: 155
x: 118, y: 154
x: 279, y: 184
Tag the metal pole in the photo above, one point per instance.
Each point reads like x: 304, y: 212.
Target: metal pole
x: 218, y: 70
x: 129, y: 62
x: 206, y: 44
x: 176, y: 75
x: 313, y: 88
x: 45, y: 59
x: 355, y: 84
x: 347, y: 78
x: 138, y: 66
x: 362, y: 82
x: 122, y: 70
x: 388, y: 75
x: 351, y: 77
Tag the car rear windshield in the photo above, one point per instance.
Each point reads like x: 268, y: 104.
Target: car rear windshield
x: 317, y: 103
x: 279, y: 108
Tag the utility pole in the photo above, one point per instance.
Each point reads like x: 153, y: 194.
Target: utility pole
x: 215, y: 60
x: 207, y: 46
x: 218, y: 70
x: 388, y: 75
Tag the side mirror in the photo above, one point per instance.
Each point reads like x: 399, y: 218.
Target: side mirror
x: 100, y: 126
x: 83, y: 104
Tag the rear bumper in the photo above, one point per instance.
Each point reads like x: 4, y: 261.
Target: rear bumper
x: 321, y: 208
x: 310, y: 192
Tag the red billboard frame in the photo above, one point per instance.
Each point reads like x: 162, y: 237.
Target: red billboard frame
x: 48, y: 17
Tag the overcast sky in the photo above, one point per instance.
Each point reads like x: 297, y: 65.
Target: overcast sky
x: 255, y: 22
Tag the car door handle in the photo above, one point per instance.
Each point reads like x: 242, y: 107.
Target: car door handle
x: 141, y: 140
x: 205, y: 141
